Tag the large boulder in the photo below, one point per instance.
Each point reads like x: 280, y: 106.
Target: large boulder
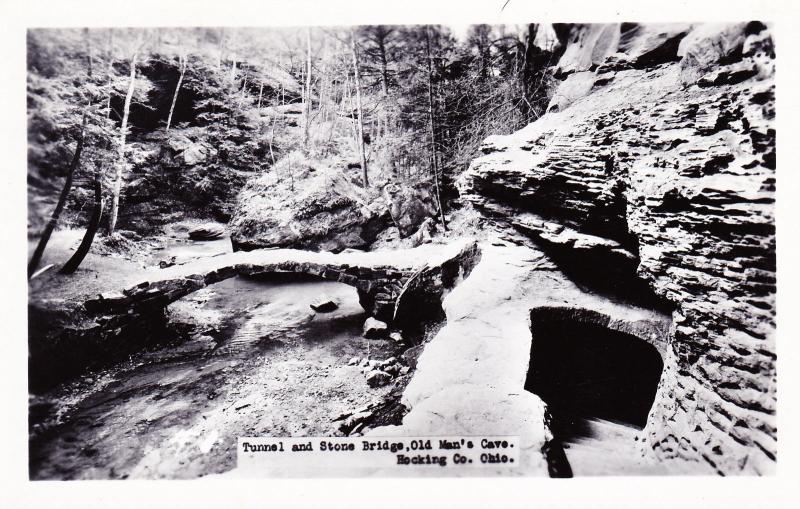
x: 709, y: 45
x: 207, y: 231
x: 660, y: 185
x: 589, y: 46
x: 306, y: 204
x: 597, y: 51
x: 375, y: 329
x: 179, y: 150
x: 409, y: 207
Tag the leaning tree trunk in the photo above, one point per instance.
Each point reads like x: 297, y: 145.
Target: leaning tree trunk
x: 361, y: 149
x: 62, y: 201
x: 97, y: 212
x: 434, y: 165
x: 94, y: 224
x: 177, y: 89
x: 112, y: 220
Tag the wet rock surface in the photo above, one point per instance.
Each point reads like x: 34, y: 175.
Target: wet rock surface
x: 255, y: 360
x: 665, y: 170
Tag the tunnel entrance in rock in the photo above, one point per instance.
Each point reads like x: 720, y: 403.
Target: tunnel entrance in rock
x: 599, y: 384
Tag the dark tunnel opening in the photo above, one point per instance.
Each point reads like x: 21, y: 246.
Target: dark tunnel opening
x: 587, y: 373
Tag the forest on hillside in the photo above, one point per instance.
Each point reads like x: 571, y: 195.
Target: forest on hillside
x: 130, y: 129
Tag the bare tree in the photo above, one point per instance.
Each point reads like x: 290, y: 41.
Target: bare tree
x: 62, y: 200
x: 36, y: 258
x: 91, y: 230
x: 123, y: 131
x: 432, y: 127
x: 183, y: 60
x: 110, y: 69
x: 99, y: 204
x: 357, y: 78
x: 220, y: 48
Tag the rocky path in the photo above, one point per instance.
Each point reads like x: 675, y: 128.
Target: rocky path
x: 470, y: 379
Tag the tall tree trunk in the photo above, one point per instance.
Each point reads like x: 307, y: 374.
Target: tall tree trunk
x: 307, y: 101
x: 434, y: 165
x: 33, y: 264
x: 361, y: 148
x: 97, y: 212
x: 89, y: 56
x: 528, y: 70
x: 350, y: 108
x: 110, y: 70
x: 242, y: 95
x: 384, y: 66
x: 112, y: 221
x: 183, y: 64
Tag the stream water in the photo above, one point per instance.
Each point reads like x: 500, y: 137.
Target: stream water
x: 259, y: 361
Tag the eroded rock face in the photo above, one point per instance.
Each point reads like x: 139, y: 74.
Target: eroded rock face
x: 305, y: 205
x: 659, y: 178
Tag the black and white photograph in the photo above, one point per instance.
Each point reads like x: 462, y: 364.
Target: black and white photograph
x: 534, y: 248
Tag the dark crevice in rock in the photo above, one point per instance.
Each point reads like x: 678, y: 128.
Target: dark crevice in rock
x: 605, y: 272
x: 420, y: 300
x: 665, y: 52
x: 557, y: 463
x: 568, y: 202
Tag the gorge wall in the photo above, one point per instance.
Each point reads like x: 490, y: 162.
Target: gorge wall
x: 651, y: 178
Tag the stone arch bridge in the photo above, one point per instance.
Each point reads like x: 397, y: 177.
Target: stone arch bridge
x: 379, y: 277
x: 65, y: 341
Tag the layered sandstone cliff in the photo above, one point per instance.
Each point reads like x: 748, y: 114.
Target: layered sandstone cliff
x: 652, y: 178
